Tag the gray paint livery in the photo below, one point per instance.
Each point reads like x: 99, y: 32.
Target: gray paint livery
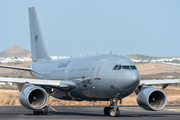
x: 101, y: 77
x: 105, y: 83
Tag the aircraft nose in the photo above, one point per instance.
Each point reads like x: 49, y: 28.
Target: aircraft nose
x: 130, y: 80
x: 135, y: 77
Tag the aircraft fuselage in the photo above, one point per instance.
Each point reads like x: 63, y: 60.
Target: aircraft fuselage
x: 104, y: 84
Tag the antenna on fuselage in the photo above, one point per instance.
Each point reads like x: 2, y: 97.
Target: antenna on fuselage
x: 110, y: 52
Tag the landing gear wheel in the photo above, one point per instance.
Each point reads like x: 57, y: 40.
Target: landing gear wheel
x: 118, y: 112
x: 113, y: 109
x: 44, y: 110
x: 113, y: 113
x: 36, y: 112
x: 106, y: 111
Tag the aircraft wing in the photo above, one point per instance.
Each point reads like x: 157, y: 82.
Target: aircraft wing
x: 55, y: 83
x: 42, y: 82
x: 155, y: 82
x: 17, y: 68
x: 164, y: 82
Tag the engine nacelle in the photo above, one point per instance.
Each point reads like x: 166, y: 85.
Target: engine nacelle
x: 152, y: 99
x: 33, y: 97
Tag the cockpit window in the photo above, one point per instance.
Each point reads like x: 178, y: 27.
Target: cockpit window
x: 115, y: 67
x: 127, y: 67
x: 119, y: 67
x: 133, y: 67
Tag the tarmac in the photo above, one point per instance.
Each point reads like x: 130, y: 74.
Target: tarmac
x: 88, y: 112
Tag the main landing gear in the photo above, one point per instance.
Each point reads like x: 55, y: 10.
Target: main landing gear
x: 112, y: 110
x: 42, y: 111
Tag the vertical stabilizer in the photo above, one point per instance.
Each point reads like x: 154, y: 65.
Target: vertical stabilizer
x: 38, y: 47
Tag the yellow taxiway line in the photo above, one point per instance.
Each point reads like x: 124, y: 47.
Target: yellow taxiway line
x: 53, y: 109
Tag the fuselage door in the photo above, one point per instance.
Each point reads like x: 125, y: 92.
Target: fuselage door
x: 99, y: 68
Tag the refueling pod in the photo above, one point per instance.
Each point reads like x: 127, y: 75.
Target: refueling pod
x: 33, y: 97
x: 152, y: 99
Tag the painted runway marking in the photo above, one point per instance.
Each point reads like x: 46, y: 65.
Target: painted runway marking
x: 53, y: 109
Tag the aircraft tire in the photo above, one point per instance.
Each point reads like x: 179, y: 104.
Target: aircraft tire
x: 118, y: 113
x: 36, y: 112
x: 44, y: 110
x: 106, y: 110
x: 113, y: 113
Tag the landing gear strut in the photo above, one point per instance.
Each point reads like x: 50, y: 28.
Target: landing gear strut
x: 42, y: 111
x: 112, y: 110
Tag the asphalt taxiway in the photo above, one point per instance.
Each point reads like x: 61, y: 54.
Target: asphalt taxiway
x: 87, y: 112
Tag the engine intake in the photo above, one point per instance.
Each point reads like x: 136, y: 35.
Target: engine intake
x: 152, y: 99
x: 33, y: 97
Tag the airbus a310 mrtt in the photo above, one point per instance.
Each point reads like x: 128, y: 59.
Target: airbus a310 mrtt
x: 93, y: 78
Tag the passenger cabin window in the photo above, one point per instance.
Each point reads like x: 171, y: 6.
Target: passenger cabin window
x: 115, y: 67
x: 119, y: 67
x: 127, y: 67
x: 133, y: 67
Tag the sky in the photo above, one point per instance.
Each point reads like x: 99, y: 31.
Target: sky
x: 86, y: 27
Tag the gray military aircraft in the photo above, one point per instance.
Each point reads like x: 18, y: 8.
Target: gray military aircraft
x: 105, y: 77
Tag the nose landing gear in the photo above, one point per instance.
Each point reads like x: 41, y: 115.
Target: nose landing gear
x: 112, y: 110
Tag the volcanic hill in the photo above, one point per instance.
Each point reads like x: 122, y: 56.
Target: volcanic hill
x: 15, y: 51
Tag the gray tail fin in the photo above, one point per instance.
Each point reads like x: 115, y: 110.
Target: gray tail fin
x: 38, y: 48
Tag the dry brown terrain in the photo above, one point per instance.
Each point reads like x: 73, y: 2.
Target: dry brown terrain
x: 15, y: 51
x: 156, y: 71
x: 11, y: 97
x: 155, y: 68
x: 15, y: 73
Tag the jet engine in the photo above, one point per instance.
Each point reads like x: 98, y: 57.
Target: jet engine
x: 152, y: 99
x: 33, y: 97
